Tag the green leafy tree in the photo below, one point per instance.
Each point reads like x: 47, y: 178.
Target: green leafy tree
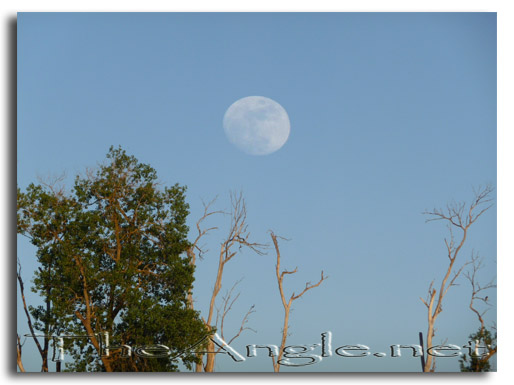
x: 113, y: 260
x: 479, y: 361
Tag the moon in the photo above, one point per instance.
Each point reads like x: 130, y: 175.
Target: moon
x: 257, y: 125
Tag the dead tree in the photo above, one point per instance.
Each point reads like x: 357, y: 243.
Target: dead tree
x: 458, y: 216
x: 478, y: 362
x: 238, y: 237
x: 42, y: 350
x: 287, y: 303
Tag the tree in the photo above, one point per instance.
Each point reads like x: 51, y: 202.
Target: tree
x: 287, y: 303
x: 237, y: 238
x: 39, y: 317
x: 113, y: 256
x: 457, y: 216
x: 479, y: 362
x: 19, y: 346
x: 42, y: 350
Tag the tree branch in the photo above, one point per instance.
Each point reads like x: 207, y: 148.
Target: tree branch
x: 457, y: 216
x: 287, y: 305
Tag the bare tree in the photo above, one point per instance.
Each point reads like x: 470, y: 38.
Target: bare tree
x: 478, y: 289
x: 458, y: 216
x: 43, y: 350
x: 238, y: 237
x: 479, y: 362
x: 287, y: 303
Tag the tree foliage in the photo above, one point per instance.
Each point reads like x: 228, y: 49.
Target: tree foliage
x: 479, y: 362
x: 112, y: 257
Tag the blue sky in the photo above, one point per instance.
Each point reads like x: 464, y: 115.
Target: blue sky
x: 391, y: 114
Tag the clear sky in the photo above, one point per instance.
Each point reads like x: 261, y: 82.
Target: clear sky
x: 391, y: 114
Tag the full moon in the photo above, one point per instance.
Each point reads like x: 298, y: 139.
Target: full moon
x: 256, y: 125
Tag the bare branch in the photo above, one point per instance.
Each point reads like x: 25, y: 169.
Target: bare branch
x: 54, y: 183
x: 207, y: 212
x: 477, y: 264
x: 461, y: 216
x: 227, y: 307
x: 238, y: 237
x: 286, y: 304
x: 455, y: 276
x: 308, y: 287
x: 27, y: 314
